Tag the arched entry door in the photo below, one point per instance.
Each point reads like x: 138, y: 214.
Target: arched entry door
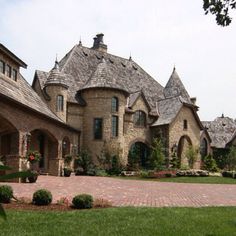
x: 140, y: 152
x: 183, y: 146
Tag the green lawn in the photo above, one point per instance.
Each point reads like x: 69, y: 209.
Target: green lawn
x: 203, y: 180
x: 123, y: 221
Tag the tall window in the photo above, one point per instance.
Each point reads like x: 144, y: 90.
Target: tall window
x: 14, y: 74
x: 139, y: 118
x: 97, y: 128
x: 114, y: 104
x: 60, y: 103
x: 2, y: 67
x: 114, y: 126
x: 185, y: 124
x: 8, y: 71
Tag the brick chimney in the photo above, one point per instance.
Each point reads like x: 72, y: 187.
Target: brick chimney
x: 98, y: 43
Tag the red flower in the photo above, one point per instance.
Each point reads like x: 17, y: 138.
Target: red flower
x: 31, y: 157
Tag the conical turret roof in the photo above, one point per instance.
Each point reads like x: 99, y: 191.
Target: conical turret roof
x: 56, y: 77
x: 175, y: 87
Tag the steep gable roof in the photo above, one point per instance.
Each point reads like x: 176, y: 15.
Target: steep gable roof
x: 175, y: 87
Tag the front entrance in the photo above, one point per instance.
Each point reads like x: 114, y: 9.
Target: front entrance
x: 140, y: 153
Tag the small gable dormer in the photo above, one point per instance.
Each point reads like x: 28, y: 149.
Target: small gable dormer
x: 9, y: 65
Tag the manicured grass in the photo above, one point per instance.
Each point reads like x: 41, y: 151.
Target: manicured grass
x: 203, y: 180
x: 123, y: 221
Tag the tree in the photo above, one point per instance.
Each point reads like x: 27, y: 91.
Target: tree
x: 210, y: 163
x: 231, y: 158
x: 157, y: 157
x: 192, y: 155
x: 220, y: 8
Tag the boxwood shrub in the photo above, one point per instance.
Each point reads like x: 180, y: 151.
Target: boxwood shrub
x: 6, y: 193
x: 82, y: 201
x: 42, y: 197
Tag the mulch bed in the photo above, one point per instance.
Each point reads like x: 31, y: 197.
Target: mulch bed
x: 30, y: 207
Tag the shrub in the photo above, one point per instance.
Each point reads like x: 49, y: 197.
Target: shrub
x: 229, y: 174
x: 82, y: 201
x: 67, y: 171
x: 168, y: 175
x: 42, y: 197
x: 83, y: 161
x: 192, y: 173
x: 144, y: 174
x: 68, y: 159
x: 210, y: 164
x: 100, y: 172
x: 6, y: 193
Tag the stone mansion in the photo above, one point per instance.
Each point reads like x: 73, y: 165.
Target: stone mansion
x: 90, y: 97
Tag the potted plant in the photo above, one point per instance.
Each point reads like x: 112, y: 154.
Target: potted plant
x: 67, y: 169
x: 33, y: 178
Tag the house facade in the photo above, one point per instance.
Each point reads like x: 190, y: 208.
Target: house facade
x: 91, y: 98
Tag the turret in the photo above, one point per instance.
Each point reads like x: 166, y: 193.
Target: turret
x: 56, y: 90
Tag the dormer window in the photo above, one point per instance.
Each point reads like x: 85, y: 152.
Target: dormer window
x: 140, y: 118
x: 2, y: 67
x: 60, y: 103
x: 8, y: 71
x: 14, y: 74
x: 185, y: 125
x: 114, y: 104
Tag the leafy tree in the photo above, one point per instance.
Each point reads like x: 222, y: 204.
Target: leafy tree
x: 231, y: 158
x: 84, y: 160
x: 192, y: 155
x: 220, y: 8
x: 174, y: 161
x: 157, y: 157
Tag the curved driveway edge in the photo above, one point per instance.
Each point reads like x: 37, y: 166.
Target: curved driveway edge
x: 133, y: 192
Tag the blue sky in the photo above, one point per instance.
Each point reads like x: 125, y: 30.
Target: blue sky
x: 158, y: 34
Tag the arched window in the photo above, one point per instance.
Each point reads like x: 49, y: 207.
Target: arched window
x: 114, y: 104
x: 60, y: 103
x: 139, y: 118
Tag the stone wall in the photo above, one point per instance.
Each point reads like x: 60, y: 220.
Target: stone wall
x: 176, y: 130
x: 99, y: 106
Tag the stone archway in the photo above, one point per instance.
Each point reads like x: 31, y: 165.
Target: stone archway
x: 47, y: 145
x: 183, y: 145
x: 139, y: 153
x: 9, y: 144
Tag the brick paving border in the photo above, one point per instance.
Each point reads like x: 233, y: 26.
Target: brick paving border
x: 133, y: 192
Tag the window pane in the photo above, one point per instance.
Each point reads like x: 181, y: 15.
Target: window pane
x: 60, y: 103
x: 8, y: 71
x: 2, y: 67
x: 114, y: 104
x: 14, y: 74
x: 140, y: 118
x: 98, y: 128
x: 114, y: 126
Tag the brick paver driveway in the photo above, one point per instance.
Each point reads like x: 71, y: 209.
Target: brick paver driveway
x: 133, y: 192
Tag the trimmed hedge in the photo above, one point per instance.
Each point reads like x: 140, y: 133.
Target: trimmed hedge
x: 82, y: 201
x: 6, y: 194
x: 42, y: 197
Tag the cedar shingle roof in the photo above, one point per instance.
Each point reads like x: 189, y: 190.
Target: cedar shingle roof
x: 221, y: 130
x: 81, y: 66
x: 23, y: 93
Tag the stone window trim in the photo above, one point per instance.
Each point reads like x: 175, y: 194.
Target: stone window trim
x: 185, y: 124
x: 114, y: 104
x: 98, y: 129
x: 139, y: 119
x: 115, y: 126
x: 60, y: 103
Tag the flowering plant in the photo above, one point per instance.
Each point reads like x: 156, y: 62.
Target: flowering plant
x: 33, y: 156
